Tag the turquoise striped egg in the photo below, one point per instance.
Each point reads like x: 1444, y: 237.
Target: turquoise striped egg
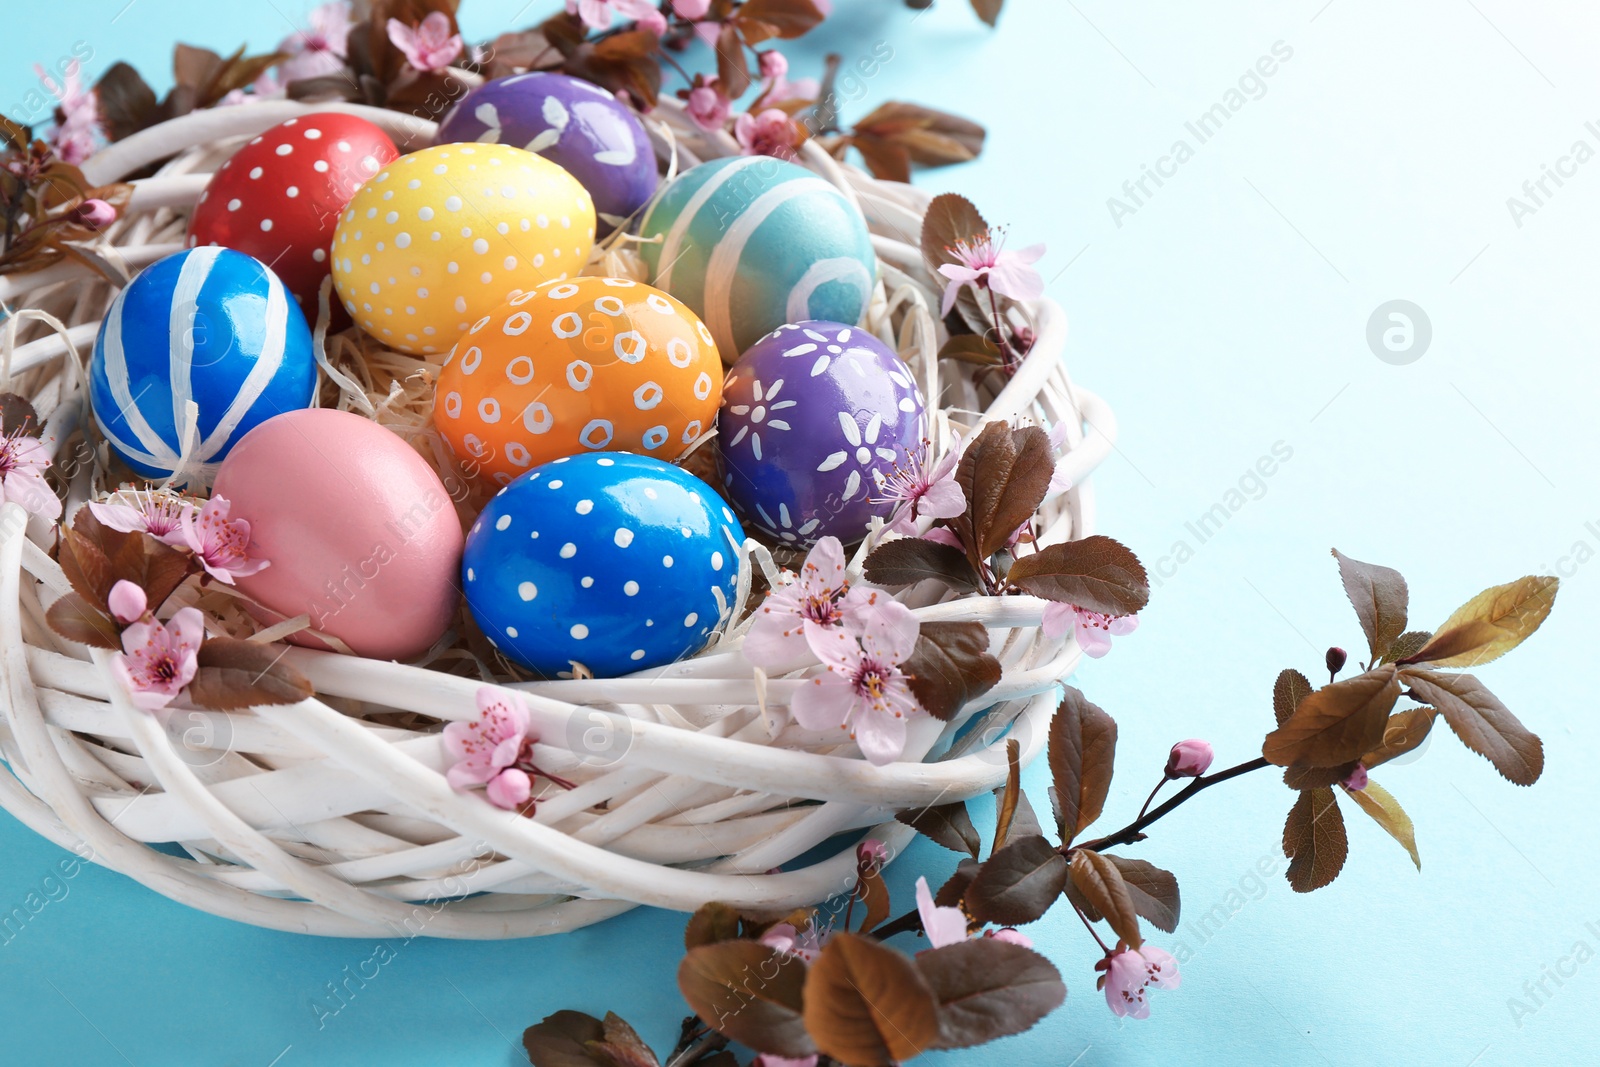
x: 210, y: 327
x: 752, y: 243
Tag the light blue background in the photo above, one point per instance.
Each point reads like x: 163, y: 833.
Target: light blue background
x: 1227, y: 314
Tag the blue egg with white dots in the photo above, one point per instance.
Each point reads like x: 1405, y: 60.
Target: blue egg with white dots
x: 614, y: 561
x: 209, y: 327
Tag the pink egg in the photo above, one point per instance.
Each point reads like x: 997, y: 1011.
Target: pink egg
x: 360, y: 532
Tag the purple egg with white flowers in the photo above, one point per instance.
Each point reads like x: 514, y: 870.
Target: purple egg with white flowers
x: 574, y: 124
x: 815, y: 417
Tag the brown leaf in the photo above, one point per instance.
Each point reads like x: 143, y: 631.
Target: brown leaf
x: 749, y: 992
x: 235, y: 674
x: 1314, y: 840
x: 1005, y: 474
x: 628, y: 45
x: 1338, y: 723
x: 947, y: 824
x: 972, y: 348
x: 1017, y: 884
x: 1007, y: 796
x: 17, y: 416
x: 1304, y: 776
x: 76, y: 619
x: 988, y: 989
x: 1379, y: 596
x: 761, y: 20
x: 1407, y: 644
x: 867, y: 1005
x: 565, y: 1039
x: 1154, y: 892
x: 951, y: 219
x: 950, y: 667
x: 713, y: 922
x: 1404, y: 731
x: 86, y: 566
x: 1083, y: 745
x: 908, y: 560
x: 950, y: 894
x: 1387, y: 813
x: 874, y: 896
x: 928, y: 137
x: 127, y: 105
x: 1490, y: 624
x: 1101, y: 883
x: 1095, y: 573
x: 623, y: 1046
x: 1287, y: 692
x: 1483, y: 723
x: 733, y: 66
x: 988, y: 10
x: 888, y: 162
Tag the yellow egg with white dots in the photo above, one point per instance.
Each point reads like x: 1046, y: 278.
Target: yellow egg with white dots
x: 440, y: 237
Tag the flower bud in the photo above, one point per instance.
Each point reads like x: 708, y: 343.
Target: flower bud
x: 1335, y: 659
x: 96, y: 214
x: 127, y: 601
x: 1189, y: 759
x: 872, y: 852
x: 1356, y: 779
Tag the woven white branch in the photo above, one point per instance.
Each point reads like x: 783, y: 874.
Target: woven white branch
x: 325, y: 818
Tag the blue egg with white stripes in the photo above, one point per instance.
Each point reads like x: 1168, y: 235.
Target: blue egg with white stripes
x: 751, y: 243
x: 614, y: 561
x: 207, y: 327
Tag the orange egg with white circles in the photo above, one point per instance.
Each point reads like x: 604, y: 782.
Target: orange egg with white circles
x: 584, y: 365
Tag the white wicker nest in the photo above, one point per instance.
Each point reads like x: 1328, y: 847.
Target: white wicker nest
x: 318, y: 820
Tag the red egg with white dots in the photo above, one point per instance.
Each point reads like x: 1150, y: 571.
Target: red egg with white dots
x: 280, y: 196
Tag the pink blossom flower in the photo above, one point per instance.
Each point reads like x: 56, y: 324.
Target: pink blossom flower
x: 222, y: 546
x: 23, y: 461
x: 157, y: 660
x: 771, y: 133
x: 691, y: 9
x: 708, y: 105
x: 489, y: 749
x: 74, y: 136
x: 1356, y: 780
x: 597, y: 14
x: 984, y: 264
x: 1189, y: 759
x: 156, y: 513
x: 919, y: 489
x: 1131, y: 971
x: 127, y: 601
x: 818, y: 599
x: 428, y: 46
x: 316, y: 51
x: 1011, y: 935
x: 944, y: 926
x: 768, y: 1059
x: 805, y: 945
x: 1094, y: 630
x: 777, y: 87
x: 864, y: 691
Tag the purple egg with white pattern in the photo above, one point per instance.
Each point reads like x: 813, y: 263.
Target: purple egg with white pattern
x: 815, y: 417
x: 574, y: 124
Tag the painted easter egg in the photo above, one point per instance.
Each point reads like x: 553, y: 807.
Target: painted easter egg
x: 814, y: 418
x: 208, y: 326
x: 583, y: 365
x: 568, y: 121
x: 442, y: 237
x: 359, y: 532
x: 751, y: 243
x: 280, y: 196
x: 615, y: 561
